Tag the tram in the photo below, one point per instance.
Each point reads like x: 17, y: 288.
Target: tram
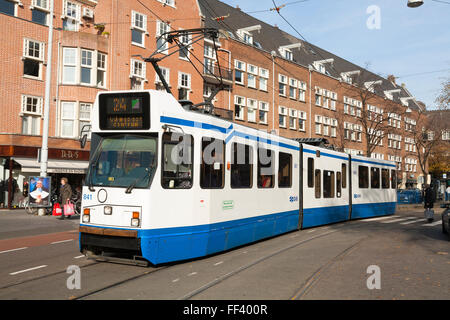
x: 166, y: 183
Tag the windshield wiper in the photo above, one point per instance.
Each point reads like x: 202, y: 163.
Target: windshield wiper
x: 134, y: 183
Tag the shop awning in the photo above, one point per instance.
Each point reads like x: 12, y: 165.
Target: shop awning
x: 54, y: 166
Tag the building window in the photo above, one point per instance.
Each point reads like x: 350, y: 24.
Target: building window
x: 302, y: 121
x: 138, y: 28
x: 318, y: 124
x: 68, y: 119
x: 302, y: 91
x: 241, y: 166
x: 8, y: 7
x: 239, y: 104
x: 239, y: 72
x: 184, y: 86
x: 101, y: 70
x: 263, y: 79
x: 162, y: 45
x: 263, y: 110
x: 39, y: 13
x: 166, y: 74
x: 293, y: 119
x: 33, y: 58
x: 252, y: 75
x: 252, y: 106
x: 282, y: 112
x: 31, y: 112
x: 293, y: 88
x: 84, y: 116
x: 282, y: 81
x: 86, y: 67
x: 71, y: 16
x: 185, y: 40
x: 69, y: 65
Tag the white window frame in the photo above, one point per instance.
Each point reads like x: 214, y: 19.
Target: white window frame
x: 134, y: 74
x: 263, y: 109
x: 239, y: 101
x: 161, y: 28
x: 69, y: 64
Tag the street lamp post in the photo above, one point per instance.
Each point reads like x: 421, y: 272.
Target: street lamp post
x: 48, y: 78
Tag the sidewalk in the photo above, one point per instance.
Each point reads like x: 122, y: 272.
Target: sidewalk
x: 17, y: 223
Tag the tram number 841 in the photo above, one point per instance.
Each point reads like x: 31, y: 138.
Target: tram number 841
x: 247, y: 309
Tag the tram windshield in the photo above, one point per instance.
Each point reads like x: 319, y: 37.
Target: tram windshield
x: 127, y: 161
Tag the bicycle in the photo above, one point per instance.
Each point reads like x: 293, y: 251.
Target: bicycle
x: 34, y: 210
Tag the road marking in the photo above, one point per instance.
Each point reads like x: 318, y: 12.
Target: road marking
x: 220, y: 262
x: 380, y: 218
x: 432, y: 224
x: 17, y: 249
x: 192, y: 274
x: 176, y: 280
x: 78, y: 257
x: 396, y: 220
x: 294, y: 236
x: 62, y: 241
x: 313, y: 230
x: 26, y: 270
x: 413, y: 221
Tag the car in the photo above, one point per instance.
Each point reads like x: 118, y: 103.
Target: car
x: 446, y: 219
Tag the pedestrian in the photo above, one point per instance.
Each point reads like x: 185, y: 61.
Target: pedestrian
x: 447, y: 193
x: 65, y: 193
x: 428, y: 202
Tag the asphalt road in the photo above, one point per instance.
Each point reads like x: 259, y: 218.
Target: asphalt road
x: 329, y: 262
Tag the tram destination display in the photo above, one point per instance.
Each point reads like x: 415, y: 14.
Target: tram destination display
x: 126, y: 111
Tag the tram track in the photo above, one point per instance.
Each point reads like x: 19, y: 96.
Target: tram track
x: 228, y: 275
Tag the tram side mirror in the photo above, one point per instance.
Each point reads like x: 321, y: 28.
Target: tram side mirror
x: 83, y: 141
x: 84, y: 135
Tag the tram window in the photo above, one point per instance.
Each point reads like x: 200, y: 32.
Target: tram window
x: 363, y: 177
x: 375, y: 178
x: 344, y: 176
x: 241, y: 166
x: 284, y: 170
x: 318, y: 190
x: 177, y: 161
x: 393, y: 179
x: 338, y: 184
x: 310, y: 173
x: 266, y: 168
x: 385, y: 178
x: 212, y: 165
x: 328, y: 184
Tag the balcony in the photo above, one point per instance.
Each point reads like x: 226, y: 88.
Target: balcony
x: 212, y: 74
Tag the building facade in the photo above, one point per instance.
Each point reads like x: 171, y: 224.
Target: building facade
x: 272, y: 81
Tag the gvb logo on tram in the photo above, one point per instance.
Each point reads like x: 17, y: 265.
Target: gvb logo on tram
x: 168, y: 183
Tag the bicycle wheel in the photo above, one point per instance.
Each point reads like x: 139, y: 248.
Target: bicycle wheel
x: 30, y: 209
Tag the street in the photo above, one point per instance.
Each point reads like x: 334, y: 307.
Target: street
x: 330, y: 262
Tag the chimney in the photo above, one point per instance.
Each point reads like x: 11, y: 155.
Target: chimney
x: 275, y: 25
x: 391, y: 78
x: 237, y: 7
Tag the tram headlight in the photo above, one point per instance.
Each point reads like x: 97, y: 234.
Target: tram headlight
x: 107, y: 210
x: 86, y: 215
x: 135, y: 219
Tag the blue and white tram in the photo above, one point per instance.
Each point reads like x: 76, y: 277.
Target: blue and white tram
x: 168, y: 184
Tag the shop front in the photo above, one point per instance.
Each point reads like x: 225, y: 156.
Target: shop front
x: 19, y: 163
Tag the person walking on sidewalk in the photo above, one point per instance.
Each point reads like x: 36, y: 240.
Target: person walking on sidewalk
x: 447, y: 194
x: 65, y: 193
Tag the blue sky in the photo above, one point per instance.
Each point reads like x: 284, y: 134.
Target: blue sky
x: 409, y: 41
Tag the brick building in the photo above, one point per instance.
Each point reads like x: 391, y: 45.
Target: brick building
x: 273, y: 81
x: 97, y: 45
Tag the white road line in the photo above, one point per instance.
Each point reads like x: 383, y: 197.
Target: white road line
x: 78, y: 257
x: 413, y: 221
x: 396, y: 220
x: 17, y: 249
x: 176, y: 280
x: 432, y: 224
x: 313, y: 230
x: 26, y: 270
x: 192, y: 274
x: 62, y: 241
x: 220, y: 262
x: 378, y: 219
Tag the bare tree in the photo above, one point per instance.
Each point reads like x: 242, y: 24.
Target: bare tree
x: 376, y: 118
